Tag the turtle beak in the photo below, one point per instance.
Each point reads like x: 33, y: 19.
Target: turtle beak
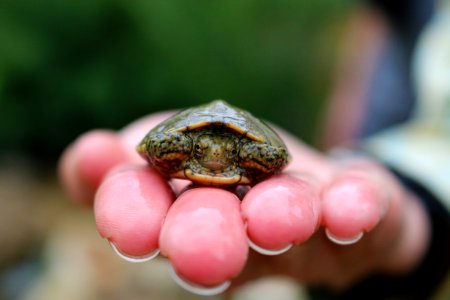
x: 214, y: 165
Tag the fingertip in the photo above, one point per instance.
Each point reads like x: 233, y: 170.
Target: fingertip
x: 130, y: 207
x: 268, y: 252
x: 352, y: 204
x: 87, y: 160
x: 204, y: 236
x: 132, y: 134
x: 134, y: 259
x: 281, y: 211
x: 70, y: 178
x: 343, y: 240
x: 197, y: 288
x: 98, y: 152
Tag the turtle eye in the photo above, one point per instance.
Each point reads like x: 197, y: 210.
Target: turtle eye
x: 199, y: 148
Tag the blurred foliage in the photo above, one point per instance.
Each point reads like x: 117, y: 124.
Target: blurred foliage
x: 70, y: 66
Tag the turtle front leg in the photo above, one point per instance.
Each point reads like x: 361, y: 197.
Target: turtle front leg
x: 262, y: 158
x: 165, y: 151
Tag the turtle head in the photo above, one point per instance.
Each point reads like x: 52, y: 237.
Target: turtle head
x: 214, y: 160
x: 215, y: 152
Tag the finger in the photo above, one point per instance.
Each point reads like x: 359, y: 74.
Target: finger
x: 87, y: 160
x: 355, y: 202
x: 204, y: 237
x: 130, y: 207
x: 282, y: 210
x: 132, y: 135
x: 305, y: 159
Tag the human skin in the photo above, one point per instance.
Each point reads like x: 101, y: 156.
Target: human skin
x: 369, y: 30
x: 204, y: 231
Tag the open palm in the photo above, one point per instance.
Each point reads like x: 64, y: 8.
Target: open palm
x: 317, y: 204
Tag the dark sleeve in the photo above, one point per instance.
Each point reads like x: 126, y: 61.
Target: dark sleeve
x: 408, y: 17
x: 423, y: 281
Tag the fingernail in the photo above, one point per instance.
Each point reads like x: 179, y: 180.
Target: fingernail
x: 269, y: 252
x: 197, y: 288
x: 134, y: 259
x: 343, y: 241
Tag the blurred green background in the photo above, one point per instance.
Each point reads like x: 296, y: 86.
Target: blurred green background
x: 70, y: 66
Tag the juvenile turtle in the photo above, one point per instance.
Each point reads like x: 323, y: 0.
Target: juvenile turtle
x: 215, y: 144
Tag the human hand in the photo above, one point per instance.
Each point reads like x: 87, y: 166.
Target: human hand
x: 317, y: 203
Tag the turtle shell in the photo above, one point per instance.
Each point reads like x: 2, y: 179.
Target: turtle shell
x: 220, y: 113
x: 214, y: 144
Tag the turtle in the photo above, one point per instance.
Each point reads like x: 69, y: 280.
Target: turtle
x: 215, y: 144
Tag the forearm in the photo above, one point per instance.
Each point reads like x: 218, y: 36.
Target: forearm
x: 362, y: 43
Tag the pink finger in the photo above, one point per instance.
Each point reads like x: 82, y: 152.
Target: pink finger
x: 353, y: 204
x: 85, y: 163
x: 281, y: 211
x: 130, y: 207
x: 132, y: 135
x: 204, y: 236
